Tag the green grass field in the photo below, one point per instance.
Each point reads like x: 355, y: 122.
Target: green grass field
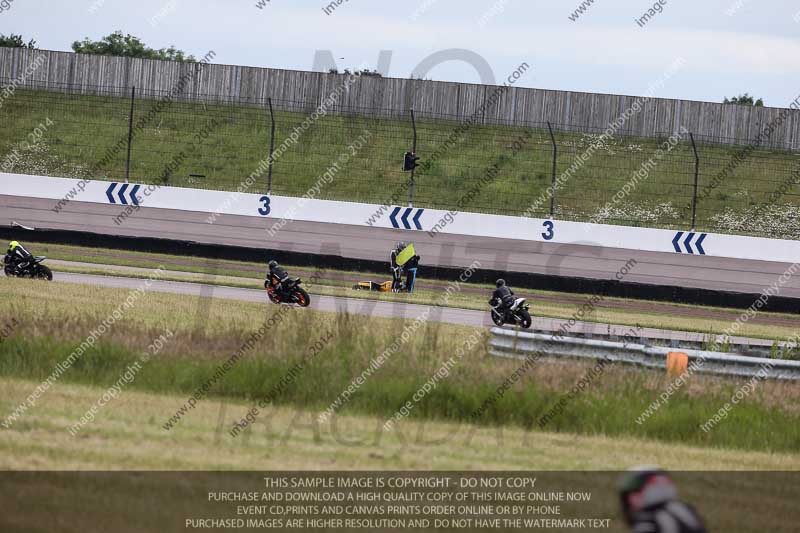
x: 126, y: 437
x: 216, y: 146
x: 41, y: 324
x: 54, y: 320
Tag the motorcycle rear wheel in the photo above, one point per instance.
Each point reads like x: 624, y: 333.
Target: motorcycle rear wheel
x: 44, y: 273
x: 301, y: 297
x: 526, y: 318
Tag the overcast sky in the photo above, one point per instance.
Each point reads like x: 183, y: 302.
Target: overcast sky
x: 730, y: 46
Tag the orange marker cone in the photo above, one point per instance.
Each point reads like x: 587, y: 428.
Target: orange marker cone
x: 677, y: 363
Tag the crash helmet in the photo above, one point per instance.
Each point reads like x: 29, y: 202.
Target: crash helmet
x: 272, y: 263
x: 500, y: 282
x: 400, y: 246
x: 644, y: 486
x: 12, y: 245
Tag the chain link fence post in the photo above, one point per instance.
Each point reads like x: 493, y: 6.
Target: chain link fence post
x: 271, y: 146
x: 696, y: 176
x: 414, y: 151
x: 555, y: 164
x: 130, y: 136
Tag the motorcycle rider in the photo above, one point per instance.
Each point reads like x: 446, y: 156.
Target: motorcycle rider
x: 17, y: 257
x: 650, y: 503
x: 277, y: 273
x: 397, y: 270
x: 502, y: 296
x: 410, y: 267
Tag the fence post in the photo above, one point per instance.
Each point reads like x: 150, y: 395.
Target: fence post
x: 696, y: 175
x: 414, y: 150
x: 130, y: 136
x: 271, y: 146
x: 555, y: 160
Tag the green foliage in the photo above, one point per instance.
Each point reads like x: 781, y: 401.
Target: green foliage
x: 363, y: 72
x: 608, y: 408
x: 116, y: 44
x: 16, y: 41
x: 744, y: 99
x: 368, y: 72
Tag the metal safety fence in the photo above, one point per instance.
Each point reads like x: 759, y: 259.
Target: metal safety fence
x: 673, y: 180
x: 523, y: 345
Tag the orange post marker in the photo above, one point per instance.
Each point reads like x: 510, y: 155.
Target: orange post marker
x: 677, y: 363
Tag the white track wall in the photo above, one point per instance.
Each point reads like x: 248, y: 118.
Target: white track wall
x: 63, y: 191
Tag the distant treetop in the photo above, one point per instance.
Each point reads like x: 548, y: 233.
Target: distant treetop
x: 116, y: 44
x: 16, y: 41
x: 364, y: 72
x: 744, y: 99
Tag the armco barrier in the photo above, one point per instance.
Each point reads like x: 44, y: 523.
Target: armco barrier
x: 403, y: 218
x: 523, y: 344
x: 675, y: 340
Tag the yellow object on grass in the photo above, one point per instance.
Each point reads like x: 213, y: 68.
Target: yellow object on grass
x: 386, y: 286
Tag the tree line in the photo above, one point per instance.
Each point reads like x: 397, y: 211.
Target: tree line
x: 113, y: 44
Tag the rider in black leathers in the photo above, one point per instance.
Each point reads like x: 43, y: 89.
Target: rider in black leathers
x: 277, y: 273
x: 650, y: 503
x: 503, y: 296
x: 397, y: 270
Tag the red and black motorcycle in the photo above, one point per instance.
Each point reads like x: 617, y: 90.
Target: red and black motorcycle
x: 290, y: 292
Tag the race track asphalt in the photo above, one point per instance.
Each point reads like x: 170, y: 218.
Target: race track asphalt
x: 357, y: 242
x: 333, y: 304
x: 386, y: 309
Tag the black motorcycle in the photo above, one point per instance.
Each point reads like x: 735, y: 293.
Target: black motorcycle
x: 34, y: 269
x: 290, y: 292
x: 517, y: 314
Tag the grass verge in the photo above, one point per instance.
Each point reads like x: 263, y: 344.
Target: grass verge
x: 51, y: 323
x: 331, y: 282
x: 128, y: 436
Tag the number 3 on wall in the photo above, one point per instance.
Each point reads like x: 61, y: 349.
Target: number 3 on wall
x: 550, y: 233
x: 264, y: 211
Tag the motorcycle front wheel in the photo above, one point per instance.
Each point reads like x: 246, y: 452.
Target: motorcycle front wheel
x: 301, y: 297
x: 497, y: 319
x: 273, y: 297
